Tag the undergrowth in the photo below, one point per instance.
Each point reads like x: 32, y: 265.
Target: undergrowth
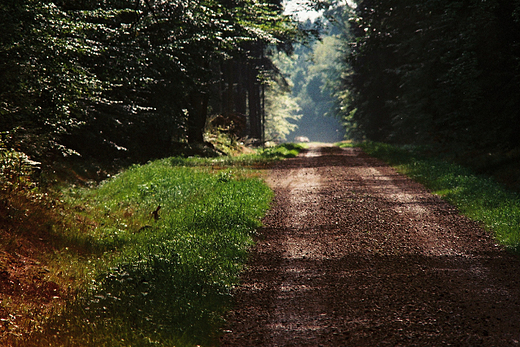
x: 155, y: 251
x: 478, y: 197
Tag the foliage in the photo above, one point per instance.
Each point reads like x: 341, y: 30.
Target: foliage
x: 480, y: 198
x: 45, y: 89
x: 286, y: 150
x: 19, y: 194
x: 312, y: 72
x: 441, y: 72
x: 123, y: 78
x: 282, y: 111
x: 16, y: 171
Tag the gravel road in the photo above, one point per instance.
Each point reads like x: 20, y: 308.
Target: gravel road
x: 354, y: 254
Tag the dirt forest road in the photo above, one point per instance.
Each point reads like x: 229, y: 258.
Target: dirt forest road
x: 354, y: 254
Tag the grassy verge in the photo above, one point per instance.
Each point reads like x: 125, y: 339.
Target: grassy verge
x: 150, y: 276
x: 478, y: 197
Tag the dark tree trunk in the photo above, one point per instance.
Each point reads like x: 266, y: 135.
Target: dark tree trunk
x: 197, y: 115
x: 255, y: 112
x: 241, y: 91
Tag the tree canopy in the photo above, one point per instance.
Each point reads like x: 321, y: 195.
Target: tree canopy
x: 443, y: 72
x: 312, y: 72
x: 129, y: 78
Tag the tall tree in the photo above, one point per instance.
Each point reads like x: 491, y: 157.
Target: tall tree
x: 313, y: 71
x: 45, y: 90
x: 125, y: 77
x: 440, y: 71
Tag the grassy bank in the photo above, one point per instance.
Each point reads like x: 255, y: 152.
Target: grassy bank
x: 478, y: 197
x: 154, y: 252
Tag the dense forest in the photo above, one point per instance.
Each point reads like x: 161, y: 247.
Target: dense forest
x: 126, y: 79
x: 134, y: 80
x: 436, y: 72
x: 313, y: 71
x: 88, y: 88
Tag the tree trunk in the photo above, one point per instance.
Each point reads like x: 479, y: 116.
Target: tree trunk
x: 255, y: 105
x: 197, y: 115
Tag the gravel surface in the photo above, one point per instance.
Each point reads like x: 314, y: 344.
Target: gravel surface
x: 354, y: 254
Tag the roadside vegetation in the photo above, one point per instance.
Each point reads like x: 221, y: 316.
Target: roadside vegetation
x: 479, y: 197
x: 148, y: 257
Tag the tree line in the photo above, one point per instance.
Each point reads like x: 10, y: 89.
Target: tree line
x: 135, y: 78
x: 313, y: 71
x: 132, y: 78
x: 439, y: 72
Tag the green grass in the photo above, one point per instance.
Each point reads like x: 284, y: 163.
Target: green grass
x: 480, y: 198
x: 346, y: 144
x: 286, y: 150
x: 164, y: 282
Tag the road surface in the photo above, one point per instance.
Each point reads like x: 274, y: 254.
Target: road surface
x: 354, y: 254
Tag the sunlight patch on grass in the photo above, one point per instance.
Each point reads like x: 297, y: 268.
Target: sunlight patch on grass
x: 165, y: 278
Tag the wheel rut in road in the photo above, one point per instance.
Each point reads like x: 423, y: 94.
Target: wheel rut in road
x: 354, y: 254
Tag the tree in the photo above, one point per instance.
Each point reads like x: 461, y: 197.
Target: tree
x: 281, y: 107
x: 45, y: 91
x: 123, y: 78
x: 439, y: 72
x: 312, y: 72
